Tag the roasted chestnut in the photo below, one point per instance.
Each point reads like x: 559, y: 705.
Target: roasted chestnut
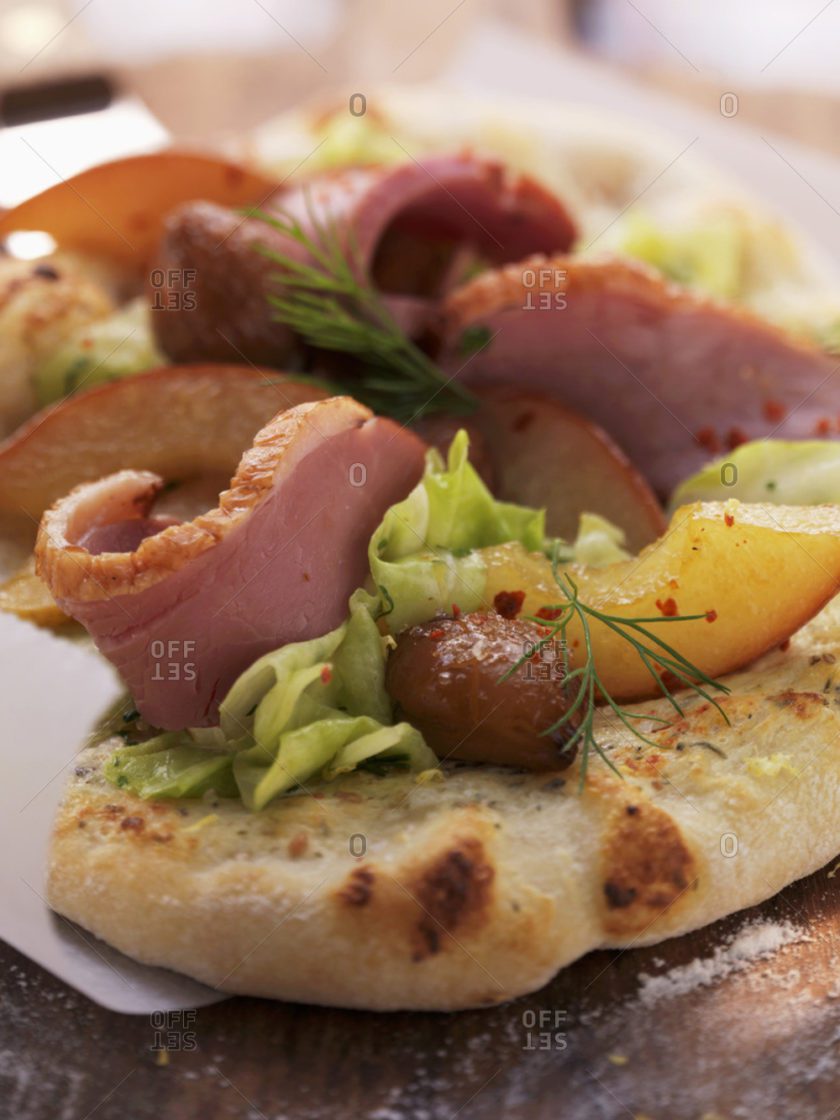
x: 447, y: 678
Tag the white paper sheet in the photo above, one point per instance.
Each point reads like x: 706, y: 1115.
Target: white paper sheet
x: 53, y: 693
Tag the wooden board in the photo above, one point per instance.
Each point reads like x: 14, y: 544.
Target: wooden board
x: 763, y: 1043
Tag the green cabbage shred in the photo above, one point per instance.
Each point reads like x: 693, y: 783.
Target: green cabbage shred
x: 784, y: 472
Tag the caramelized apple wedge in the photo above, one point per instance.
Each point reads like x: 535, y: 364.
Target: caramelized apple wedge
x: 532, y: 450
x: 548, y: 457
x: 754, y: 573
x: 115, y: 210
x: 26, y: 595
x: 182, y: 422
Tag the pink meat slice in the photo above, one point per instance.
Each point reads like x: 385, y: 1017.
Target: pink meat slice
x: 673, y: 377
x: 415, y: 226
x: 182, y: 609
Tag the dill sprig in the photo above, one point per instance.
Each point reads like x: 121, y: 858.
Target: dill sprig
x: 590, y: 692
x: 331, y: 302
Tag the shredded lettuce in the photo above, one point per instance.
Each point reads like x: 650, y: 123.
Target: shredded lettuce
x: 599, y: 542
x: 169, y: 767
x: 351, y: 141
x: 426, y: 555
x: 786, y: 472
x: 115, y: 347
x: 710, y: 260
x: 309, y: 710
x: 724, y: 251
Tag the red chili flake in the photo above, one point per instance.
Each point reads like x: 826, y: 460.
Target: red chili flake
x: 544, y: 631
x: 711, y: 616
x: 509, y: 603
x: 669, y: 679
x: 774, y: 411
x: 436, y: 634
x: 735, y: 437
x: 456, y: 611
x: 549, y: 613
x: 822, y: 427
x: 326, y: 674
x: 674, y: 584
x: 707, y: 438
x: 785, y: 645
x: 668, y: 607
x: 729, y: 520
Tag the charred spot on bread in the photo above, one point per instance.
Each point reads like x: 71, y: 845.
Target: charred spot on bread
x: 617, y: 896
x: 804, y: 705
x: 454, y: 892
x: 358, y: 889
x: 647, y: 867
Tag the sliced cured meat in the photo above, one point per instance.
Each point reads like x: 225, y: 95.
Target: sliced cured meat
x: 182, y: 610
x: 671, y: 376
x: 418, y: 227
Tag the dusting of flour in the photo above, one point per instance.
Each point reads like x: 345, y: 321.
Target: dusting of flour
x: 753, y: 942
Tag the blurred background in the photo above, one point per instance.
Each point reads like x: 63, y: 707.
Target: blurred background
x: 208, y: 69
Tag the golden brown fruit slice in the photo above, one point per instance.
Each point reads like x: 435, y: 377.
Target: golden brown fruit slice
x: 446, y: 677
x: 546, y: 456
x: 181, y: 422
x: 27, y: 596
x: 757, y: 573
x: 116, y: 210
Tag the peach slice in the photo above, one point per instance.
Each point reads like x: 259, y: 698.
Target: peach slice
x: 546, y: 456
x: 116, y: 210
x: 183, y: 422
x: 757, y: 573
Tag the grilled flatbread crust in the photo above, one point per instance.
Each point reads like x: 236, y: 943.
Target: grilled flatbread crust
x: 386, y: 893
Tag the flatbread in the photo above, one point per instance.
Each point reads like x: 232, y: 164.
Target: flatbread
x: 388, y: 893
